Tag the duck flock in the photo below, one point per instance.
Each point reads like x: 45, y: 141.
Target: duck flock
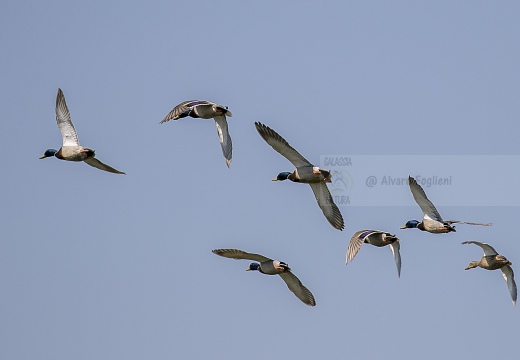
x: 305, y: 172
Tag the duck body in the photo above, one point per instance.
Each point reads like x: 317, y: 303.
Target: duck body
x: 430, y: 225
x: 70, y: 153
x: 207, y: 110
x: 435, y: 226
x: 269, y: 266
x: 306, y: 173
x: 71, y: 150
x: 490, y: 262
x: 494, y: 261
x: 197, y: 109
x: 376, y: 238
x: 74, y: 153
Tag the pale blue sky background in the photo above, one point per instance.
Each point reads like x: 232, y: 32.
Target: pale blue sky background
x: 101, y: 266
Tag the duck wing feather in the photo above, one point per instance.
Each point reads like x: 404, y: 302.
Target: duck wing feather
x: 327, y: 205
x: 295, y: 285
x: 98, y: 164
x: 488, y: 249
x: 509, y: 277
x: 280, y: 145
x: 240, y: 254
x: 68, y: 132
x: 224, y: 138
x: 422, y: 200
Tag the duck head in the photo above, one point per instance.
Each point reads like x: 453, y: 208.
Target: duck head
x: 410, y: 224
x: 472, y: 265
x: 282, y: 176
x: 48, y: 153
x: 253, y: 266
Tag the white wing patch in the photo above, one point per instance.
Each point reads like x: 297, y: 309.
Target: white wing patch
x: 427, y: 217
x: 224, y: 138
x: 68, y: 132
x: 397, y: 256
x: 219, y: 132
x: 509, y: 277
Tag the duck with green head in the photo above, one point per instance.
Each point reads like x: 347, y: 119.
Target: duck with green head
x: 305, y: 172
x: 432, y: 220
x: 269, y: 266
x: 71, y: 149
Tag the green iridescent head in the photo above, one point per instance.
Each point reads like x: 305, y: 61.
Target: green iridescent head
x: 48, y: 153
x: 282, y: 176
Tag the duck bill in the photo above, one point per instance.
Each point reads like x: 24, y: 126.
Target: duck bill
x: 248, y: 269
x: 403, y: 227
x: 275, y: 179
x: 43, y: 156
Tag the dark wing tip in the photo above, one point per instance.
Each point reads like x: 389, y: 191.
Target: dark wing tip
x: 167, y: 117
x: 337, y: 222
x: 307, y: 298
x: 59, y: 96
x: 311, y: 301
x: 297, y: 288
x: 219, y: 251
x: 266, y: 133
x: 470, y: 242
x: 413, y: 182
x: 229, y: 253
x: 337, y: 219
x: 263, y: 130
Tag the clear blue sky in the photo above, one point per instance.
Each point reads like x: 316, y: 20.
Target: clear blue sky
x: 101, y: 266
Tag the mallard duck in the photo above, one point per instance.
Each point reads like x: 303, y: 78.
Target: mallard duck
x: 207, y: 110
x: 305, y: 172
x: 432, y: 221
x: 71, y: 150
x: 272, y: 267
x: 377, y: 238
x: 492, y: 261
